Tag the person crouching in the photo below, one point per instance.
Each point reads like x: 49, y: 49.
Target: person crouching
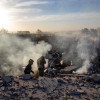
x: 28, y: 68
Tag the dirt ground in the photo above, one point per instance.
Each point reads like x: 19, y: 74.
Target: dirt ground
x: 59, y: 88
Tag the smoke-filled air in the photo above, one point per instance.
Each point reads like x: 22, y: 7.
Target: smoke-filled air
x: 49, y: 49
x: 15, y: 53
x: 78, y: 47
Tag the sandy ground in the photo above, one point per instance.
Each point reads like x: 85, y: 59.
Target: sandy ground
x: 58, y: 88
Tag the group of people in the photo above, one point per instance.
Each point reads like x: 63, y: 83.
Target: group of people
x: 54, y: 65
x: 40, y: 63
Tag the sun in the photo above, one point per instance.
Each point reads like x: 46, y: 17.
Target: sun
x: 4, y: 18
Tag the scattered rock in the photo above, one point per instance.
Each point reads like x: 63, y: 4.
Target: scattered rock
x: 26, y: 77
x: 2, y: 88
x: 6, y: 79
x: 1, y: 84
x: 81, y: 91
x: 74, y: 92
x: 15, y: 95
x: 48, y: 84
x: 68, y: 70
x: 96, y: 79
x: 35, y: 99
x: 71, y: 88
x: 61, y: 81
x: 31, y: 98
x: 89, y: 79
x: 12, y: 89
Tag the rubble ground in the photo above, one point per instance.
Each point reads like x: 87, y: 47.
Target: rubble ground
x: 70, y: 87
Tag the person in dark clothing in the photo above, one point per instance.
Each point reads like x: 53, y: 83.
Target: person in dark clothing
x: 28, y: 68
x: 40, y: 62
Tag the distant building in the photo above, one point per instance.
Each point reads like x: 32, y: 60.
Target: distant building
x: 23, y: 32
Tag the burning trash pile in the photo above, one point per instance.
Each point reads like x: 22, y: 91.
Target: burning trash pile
x: 64, y: 67
x: 79, y: 49
x: 56, y: 64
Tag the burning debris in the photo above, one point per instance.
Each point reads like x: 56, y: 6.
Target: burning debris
x: 64, y: 67
x: 75, y: 49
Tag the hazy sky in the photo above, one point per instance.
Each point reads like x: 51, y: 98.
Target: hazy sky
x: 49, y: 15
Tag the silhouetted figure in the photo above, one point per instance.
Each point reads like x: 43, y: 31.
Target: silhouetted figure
x: 40, y: 62
x: 28, y: 68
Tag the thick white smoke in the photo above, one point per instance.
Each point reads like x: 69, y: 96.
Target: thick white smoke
x: 86, y: 48
x: 80, y: 47
x: 83, y: 49
x: 15, y: 53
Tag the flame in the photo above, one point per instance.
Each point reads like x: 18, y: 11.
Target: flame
x: 84, y: 73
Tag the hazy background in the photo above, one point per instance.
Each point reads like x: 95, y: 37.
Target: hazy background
x: 49, y: 15
x: 71, y: 26
x: 77, y: 46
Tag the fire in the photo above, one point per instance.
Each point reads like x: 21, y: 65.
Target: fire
x: 84, y: 73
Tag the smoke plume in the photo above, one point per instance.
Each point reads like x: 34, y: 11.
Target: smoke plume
x: 15, y: 53
x: 80, y: 47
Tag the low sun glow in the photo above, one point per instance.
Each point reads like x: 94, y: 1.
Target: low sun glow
x: 4, y: 18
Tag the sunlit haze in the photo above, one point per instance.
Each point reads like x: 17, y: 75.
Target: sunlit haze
x: 4, y: 18
x: 49, y: 15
